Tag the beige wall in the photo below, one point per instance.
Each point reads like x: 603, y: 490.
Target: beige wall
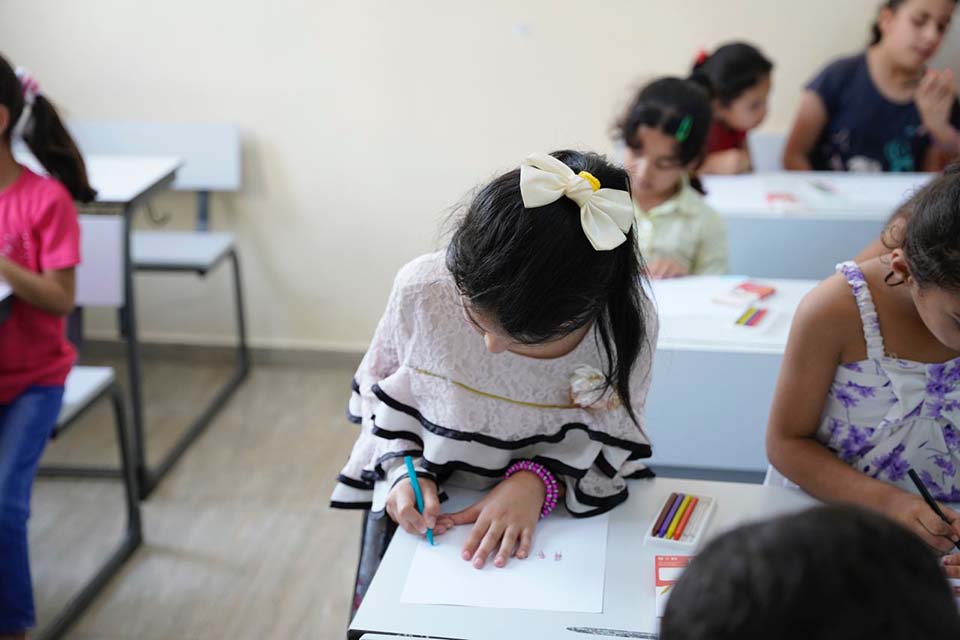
x: 364, y: 122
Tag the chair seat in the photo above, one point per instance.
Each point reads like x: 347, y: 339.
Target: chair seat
x: 84, y: 385
x: 180, y: 250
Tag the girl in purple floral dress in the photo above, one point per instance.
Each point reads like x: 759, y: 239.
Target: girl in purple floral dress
x: 870, y: 384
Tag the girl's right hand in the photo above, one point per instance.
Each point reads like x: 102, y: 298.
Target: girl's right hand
x: 935, y: 98
x: 402, y: 508
x: 917, y: 516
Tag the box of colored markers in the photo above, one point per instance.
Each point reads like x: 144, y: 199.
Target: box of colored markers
x: 745, y: 293
x: 754, y: 316
x: 681, y: 522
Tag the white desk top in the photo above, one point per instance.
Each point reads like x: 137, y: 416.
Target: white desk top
x: 628, y: 585
x: 690, y: 320
x: 118, y: 179
x: 124, y: 179
x: 812, y: 195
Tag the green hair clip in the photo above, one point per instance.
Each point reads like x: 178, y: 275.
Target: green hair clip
x: 683, y: 131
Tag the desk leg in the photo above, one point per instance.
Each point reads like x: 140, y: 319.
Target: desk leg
x: 128, y: 322
x: 375, y: 537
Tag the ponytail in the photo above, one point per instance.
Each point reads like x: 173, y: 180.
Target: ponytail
x: 697, y: 184
x: 52, y: 145
x: 623, y: 329
x: 730, y: 70
x: 43, y: 132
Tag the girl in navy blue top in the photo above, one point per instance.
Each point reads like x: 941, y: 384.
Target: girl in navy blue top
x: 883, y: 110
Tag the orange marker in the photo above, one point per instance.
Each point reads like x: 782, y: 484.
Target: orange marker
x: 686, y: 518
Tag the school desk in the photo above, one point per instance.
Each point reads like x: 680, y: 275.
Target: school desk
x: 712, y: 380
x: 628, y: 598
x: 800, y: 224
x: 123, y: 184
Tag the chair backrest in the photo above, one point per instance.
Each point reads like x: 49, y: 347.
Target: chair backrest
x: 210, y: 151
x: 100, y: 273
x: 766, y: 150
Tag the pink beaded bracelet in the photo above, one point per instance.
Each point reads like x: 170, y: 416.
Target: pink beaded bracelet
x: 549, y: 481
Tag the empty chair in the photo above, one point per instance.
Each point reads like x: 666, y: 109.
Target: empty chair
x: 211, y: 163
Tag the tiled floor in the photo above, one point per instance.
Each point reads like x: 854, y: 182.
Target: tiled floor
x: 240, y: 542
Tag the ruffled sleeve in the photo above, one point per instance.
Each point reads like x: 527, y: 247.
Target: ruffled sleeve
x: 375, y: 461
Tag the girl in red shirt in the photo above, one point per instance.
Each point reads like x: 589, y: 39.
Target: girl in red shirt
x: 738, y: 77
x: 39, y: 249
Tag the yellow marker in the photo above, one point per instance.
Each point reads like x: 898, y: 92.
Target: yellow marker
x: 746, y: 315
x: 678, y: 516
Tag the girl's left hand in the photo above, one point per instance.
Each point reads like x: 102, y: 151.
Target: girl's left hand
x: 935, y: 97
x: 951, y: 564
x: 505, y: 520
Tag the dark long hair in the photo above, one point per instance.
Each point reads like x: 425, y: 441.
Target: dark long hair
x: 45, y: 135
x: 875, y: 34
x: 826, y: 573
x: 731, y: 70
x: 535, y: 272
x: 927, y: 228
x: 664, y: 104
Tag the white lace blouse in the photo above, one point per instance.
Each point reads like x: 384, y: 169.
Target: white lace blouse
x: 428, y: 388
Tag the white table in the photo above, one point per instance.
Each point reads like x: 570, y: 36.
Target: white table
x: 628, y: 590
x: 6, y: 298
x: 712, y: 380
x: 129, y: 181
x: 126, y: 180
x: 833, y: 217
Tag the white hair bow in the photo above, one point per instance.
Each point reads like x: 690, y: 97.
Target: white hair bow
x: 605, y: 214
x: 31, y: 89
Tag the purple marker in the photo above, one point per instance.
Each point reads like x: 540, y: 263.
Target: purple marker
x: 670, y: 514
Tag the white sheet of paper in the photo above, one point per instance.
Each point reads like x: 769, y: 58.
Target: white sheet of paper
x: 438, y: 575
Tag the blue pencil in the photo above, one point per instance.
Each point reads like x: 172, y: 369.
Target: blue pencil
x: 418, y: 494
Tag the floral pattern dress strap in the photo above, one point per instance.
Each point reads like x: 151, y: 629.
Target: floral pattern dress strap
x: 868, y: 311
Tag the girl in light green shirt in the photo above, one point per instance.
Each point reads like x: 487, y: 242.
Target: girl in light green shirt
x: 665, y: 133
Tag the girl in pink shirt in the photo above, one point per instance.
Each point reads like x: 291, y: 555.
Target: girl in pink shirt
x: 39, y: 248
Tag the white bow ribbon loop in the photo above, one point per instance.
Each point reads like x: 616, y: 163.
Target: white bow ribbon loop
x: 31, y: 89
x: 29, y: 85
x: 606, y: 215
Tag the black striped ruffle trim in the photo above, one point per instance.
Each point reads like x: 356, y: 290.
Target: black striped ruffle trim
x: 638, y: 450
x: 447, y: 468
x: 365, y: 506
x: 363, y: 484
